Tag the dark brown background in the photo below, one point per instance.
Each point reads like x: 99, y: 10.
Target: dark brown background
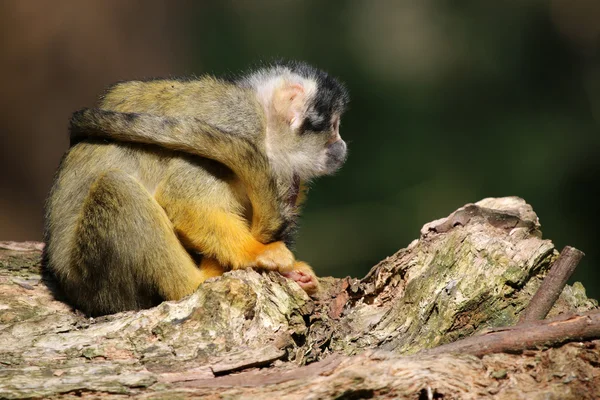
x: 450, y: 104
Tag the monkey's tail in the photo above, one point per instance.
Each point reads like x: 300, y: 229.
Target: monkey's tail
x: 194, y: 136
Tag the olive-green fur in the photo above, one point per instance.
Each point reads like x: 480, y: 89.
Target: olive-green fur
x: 108, y: 240
x: 205, y: 117
x: 164, y: 170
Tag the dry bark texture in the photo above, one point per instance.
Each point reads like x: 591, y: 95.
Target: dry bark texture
x: 250, y: 334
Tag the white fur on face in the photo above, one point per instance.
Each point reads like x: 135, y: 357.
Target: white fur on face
x: 265, y: 82
x: 289, y: 154
x: 305, y: 157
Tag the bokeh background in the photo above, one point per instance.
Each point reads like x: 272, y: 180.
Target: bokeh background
x: 451, y: 102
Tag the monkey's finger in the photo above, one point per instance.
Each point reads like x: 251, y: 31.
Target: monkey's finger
x: 306, y: 281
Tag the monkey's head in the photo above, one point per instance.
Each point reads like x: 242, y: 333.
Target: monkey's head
x: 303, y: 108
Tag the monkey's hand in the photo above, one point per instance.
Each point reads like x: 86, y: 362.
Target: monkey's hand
x: 275, y: 257
x: 304, y: 276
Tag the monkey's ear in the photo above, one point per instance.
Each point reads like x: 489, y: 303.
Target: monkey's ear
x: 290, y: 103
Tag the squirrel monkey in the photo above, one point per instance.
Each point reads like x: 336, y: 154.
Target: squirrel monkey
x: 166, y: 169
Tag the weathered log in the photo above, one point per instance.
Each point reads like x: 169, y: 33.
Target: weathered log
x: 251, y: 334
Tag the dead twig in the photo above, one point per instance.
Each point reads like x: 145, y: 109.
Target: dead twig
x: 552, y: 286
x: 529, y: 335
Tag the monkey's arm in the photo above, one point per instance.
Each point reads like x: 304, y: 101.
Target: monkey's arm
x: 194, y: 136
x: 207, y: 217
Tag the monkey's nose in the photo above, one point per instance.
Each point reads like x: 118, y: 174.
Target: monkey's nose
x: 334, y: 139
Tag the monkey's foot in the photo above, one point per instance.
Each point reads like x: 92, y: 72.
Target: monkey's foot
x: 304, y: 276
x: 275, y: 256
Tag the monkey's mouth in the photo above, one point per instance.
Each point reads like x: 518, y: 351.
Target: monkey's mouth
x: 336, y: 156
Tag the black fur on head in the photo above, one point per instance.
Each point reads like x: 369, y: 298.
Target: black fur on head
x: 332, y: 96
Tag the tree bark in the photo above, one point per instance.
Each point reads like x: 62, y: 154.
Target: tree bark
x: 251, y: 334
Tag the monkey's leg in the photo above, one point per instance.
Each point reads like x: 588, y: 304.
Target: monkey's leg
x: 226, y: 237
x: 222, y: 234
x: 127, y: 254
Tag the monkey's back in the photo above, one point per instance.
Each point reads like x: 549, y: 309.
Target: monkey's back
x: 232, y: 108
x: 80, y: 168
x: 147, y: 169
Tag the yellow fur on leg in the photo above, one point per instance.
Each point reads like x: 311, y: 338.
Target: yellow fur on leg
x: 273, y: 256
x: 224, y: 236
x: 209, y: 268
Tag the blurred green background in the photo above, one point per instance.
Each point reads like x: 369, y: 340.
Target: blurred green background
x: 452, y: 102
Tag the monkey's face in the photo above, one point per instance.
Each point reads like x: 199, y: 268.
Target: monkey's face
x: 303, y: 108
x: 307, y: 153
x: 318, y: 152
x: 335, y: 150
